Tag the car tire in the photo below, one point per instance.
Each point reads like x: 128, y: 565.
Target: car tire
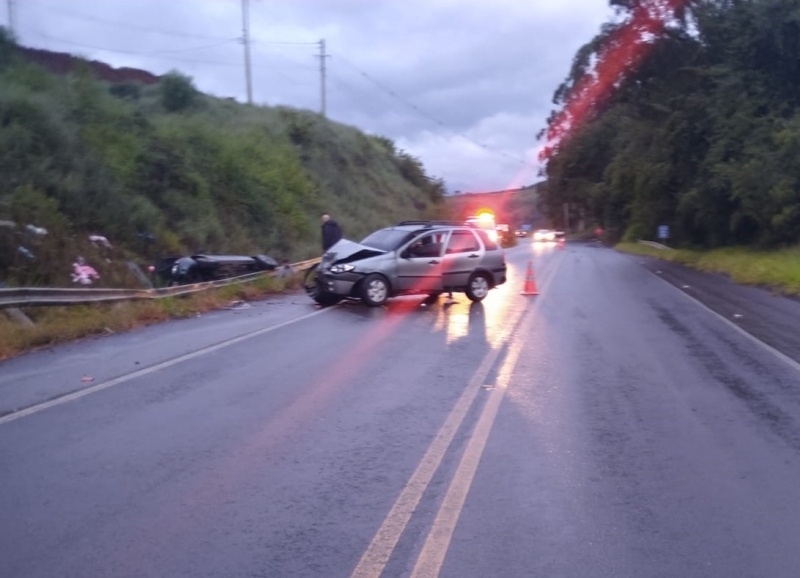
x: 478, y: 287
x: 327, y: 299
x: 315, y: 290
x: 375, y: 290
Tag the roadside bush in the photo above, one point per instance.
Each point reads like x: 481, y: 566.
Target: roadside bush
x: 177, y: 92
x: 126, y: 90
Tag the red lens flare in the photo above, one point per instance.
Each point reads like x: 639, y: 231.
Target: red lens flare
x: 624, y: 50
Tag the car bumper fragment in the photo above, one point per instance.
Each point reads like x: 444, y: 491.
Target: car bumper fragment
x: 341, y: 284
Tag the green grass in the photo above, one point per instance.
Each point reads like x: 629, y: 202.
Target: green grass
x: 53, y: 325
x: 779, y: 269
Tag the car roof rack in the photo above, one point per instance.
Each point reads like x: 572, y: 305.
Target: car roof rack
x: 437, y: 223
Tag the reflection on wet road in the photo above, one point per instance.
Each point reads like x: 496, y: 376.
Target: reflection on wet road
x: 606, y: 427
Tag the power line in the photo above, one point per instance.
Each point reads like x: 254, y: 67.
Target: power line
x: 284, y: 43
x: 271, y: 70
x: 128, y: 25
x: 144, y: 54
x: 150, y: 29
x: 295, y: 62
x: 428, y: 115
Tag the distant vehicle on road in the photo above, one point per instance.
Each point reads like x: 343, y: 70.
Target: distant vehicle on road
x: 544, y: 235
x: 521, y: 233
x: 199, y: 268
x: 411, y: 258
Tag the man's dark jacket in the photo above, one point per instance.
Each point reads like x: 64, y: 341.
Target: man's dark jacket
x: 331, y: 234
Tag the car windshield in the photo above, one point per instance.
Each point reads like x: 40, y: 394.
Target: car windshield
x: 387, y: 239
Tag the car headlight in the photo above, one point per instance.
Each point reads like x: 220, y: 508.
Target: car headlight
x: 342, y: 268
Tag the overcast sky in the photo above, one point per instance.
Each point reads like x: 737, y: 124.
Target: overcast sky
x: 464, y: 85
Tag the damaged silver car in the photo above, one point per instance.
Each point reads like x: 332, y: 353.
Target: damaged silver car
x: 411, y: 258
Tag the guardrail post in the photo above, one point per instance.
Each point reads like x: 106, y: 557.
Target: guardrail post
x: 18, y: 316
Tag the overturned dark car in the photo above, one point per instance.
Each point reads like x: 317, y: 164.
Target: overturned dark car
x: 200, y: 268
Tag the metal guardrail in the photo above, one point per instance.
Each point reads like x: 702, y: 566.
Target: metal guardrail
x: 40, y: 296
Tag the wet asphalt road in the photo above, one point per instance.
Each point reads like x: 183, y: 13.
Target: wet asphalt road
x: 609, y: 426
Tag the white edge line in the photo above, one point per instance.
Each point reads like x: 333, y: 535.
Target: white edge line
x: 766, y: 346
x: 142, y: 372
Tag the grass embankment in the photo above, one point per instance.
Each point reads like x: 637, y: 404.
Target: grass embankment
x: 53, y: 325
x: 779, y: 269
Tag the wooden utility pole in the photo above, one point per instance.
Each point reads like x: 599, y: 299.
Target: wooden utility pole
x: 11, y: 17
x: 322, y: 72
x: 246, y: 42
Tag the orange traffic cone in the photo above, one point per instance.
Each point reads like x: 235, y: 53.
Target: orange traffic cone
x: 530, y: 282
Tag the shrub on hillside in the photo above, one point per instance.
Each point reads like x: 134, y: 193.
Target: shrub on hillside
x: 177, y: 92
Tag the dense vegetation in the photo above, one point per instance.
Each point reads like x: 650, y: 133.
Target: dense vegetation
x: 163, y: 169
x: 698, y: 128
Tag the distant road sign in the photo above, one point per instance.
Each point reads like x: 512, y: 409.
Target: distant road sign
x: 663, y: 232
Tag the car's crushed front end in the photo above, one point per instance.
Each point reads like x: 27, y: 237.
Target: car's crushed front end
x: 341, y: 269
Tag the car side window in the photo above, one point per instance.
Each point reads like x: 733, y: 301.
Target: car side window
x: 462, y: 242
x: 429, y: 245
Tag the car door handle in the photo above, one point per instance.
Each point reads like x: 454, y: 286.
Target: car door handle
x: 434, y: 262
x: 474, y: 256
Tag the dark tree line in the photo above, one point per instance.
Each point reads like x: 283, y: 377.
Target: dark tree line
x: 684, y: 113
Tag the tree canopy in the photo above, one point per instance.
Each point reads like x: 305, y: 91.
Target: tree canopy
x: 683, y: 113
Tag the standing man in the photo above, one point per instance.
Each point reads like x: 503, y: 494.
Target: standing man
x: 331, y: 233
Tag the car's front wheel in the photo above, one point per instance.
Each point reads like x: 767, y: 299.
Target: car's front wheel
x: 315, y: 290
x: 478, y: 287
x: 374, y: 290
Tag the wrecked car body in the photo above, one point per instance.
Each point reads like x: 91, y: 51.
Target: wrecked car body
x: 412, y: 258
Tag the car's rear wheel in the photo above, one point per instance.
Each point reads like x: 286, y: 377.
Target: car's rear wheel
x: 374, y: 290
x: 478, y: 287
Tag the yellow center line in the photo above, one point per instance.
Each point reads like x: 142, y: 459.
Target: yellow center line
x: 433, y: 553
x: 374, y: 560
x: 435, y: 548
x: 377, y: 555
